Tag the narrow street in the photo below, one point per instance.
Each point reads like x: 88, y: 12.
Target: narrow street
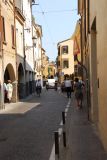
x: 27, y: 131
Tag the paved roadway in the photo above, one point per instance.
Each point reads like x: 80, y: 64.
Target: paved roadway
x: 27, y: 131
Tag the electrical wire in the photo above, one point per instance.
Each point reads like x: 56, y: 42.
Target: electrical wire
x: 48, y: 29
x: 55, y: 11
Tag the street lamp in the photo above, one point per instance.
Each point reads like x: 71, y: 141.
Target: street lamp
x: 34, y: 39
x: 33, y: 2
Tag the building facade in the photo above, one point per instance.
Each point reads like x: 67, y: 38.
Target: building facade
x: 18, y: 61
x: 20, y: 52
x: 77, y: 52
x: 37, y: 51
x: 65, y: 60
x: 94, y: 48
x: 8, y: 48
x: 45, y: 63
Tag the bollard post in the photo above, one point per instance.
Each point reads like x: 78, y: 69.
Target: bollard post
x: 56, y: 136
x: 63, y: 117
x: 64, y: 133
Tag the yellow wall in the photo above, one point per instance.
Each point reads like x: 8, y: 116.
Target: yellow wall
x: 68, y: 56
x: 99, y: 11
x: 98, y: 61
x: 8, y: 51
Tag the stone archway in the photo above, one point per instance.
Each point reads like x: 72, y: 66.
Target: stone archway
x: 9, y: 74
x: 21, y: 82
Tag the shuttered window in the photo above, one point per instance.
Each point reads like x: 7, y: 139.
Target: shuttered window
x: 0, y: 34
x: 65, y: 64
x: 64, y: 49
x: 13, y: 36
x: 3, y: 29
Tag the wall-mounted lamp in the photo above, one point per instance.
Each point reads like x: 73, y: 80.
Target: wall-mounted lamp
x: 27, y: 29
x: 34, y: 39
x: 33, y: 2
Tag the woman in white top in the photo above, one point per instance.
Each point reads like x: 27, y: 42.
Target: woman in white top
x: 68, y: 86
x: 9, y: 90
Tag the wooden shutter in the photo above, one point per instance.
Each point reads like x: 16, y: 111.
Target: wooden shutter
x: 0, y: 33
x: 13, y: 35
x: 3, y: 29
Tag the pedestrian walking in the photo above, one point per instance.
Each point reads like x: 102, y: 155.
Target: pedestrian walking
x: 47, y: 84
x: 38, y: 87
x: 9, y: 90
x: 78, y: 89
x: 59, y: 87
x: 68, y: 86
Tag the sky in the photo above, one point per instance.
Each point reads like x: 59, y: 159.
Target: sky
x: 58, y: 20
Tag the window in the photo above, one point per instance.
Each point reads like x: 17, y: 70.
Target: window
x: 64, y: 49
x: 65, y: 64
x: 3, y: 29
x: 13, y: 36
x: 4, y: 1
x: 58, y: 51
x: 0, y: 33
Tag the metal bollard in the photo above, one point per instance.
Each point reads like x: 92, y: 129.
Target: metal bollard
x: 64, y: 133
x: 56, y: 136
x: 64, y: 138
x: 63, y: 117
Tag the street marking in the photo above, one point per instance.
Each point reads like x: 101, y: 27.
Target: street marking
x: 60, y: 132
x: 66, y: 109
x: 52, y: 156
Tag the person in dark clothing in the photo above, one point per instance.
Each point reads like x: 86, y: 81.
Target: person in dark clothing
x: 78, y: 89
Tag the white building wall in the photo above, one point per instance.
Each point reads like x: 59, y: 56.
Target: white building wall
x: 28, y: 35
x: 38, y: 50
x: 19, y: 38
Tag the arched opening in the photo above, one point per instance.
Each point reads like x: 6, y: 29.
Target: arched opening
x: 9, y: 74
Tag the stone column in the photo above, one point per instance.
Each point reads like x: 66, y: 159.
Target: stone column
x: 14, y: 95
